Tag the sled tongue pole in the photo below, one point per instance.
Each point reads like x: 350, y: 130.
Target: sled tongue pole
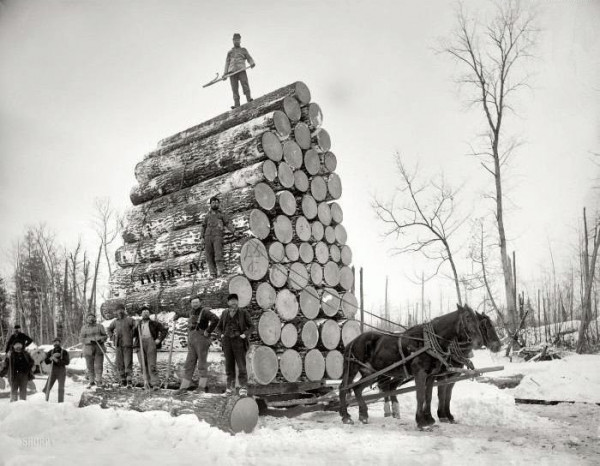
x: 222, y: 78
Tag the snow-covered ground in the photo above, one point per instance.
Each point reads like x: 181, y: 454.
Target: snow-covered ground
x: 492, y: 429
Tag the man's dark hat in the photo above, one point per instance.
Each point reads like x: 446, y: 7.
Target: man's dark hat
x: 145, y: 307
x: 214, y: 198
x: 237, y: 36
x: 17, y: 326
x: 57, y: 339
x: 232, y: 296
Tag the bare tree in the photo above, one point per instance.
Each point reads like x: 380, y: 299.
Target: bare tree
x: 491, y: 55
x: 107, y: 224
x: 427, y: 217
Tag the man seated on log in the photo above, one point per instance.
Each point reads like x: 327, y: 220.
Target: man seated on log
x: 151, y: 333
x: 121, y: 330
x: 201, y: 324
x: 212, y: 228
x: 18, y: 365
x: 59, y: 359
x: 236, y: 61
x: 92, y: 337
x: 18, y: 336
x: 235, y: 327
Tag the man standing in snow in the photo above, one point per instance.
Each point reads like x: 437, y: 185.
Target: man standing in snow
x: 92, y: 337
x: 122, y: 330
x: 212, y: 229
x: 201, y: 324
x: 18, y: 336
x: 59, y: 358
x: 151, y: 333
x: 236, y: 61
x: 235, y: 327
x: 18, y: 366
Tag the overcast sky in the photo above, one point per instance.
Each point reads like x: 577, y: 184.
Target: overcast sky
x: 88, y: 87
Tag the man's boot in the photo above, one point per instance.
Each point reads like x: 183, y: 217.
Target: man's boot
x: 202, y: 385
x: 249, y: 98
x: 236, y: 103
x: 185, y: 384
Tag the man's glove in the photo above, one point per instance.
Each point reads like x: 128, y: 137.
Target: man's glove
x: 243, y: 336
x: 55, y: 357
x: 157, y: 341
x: 252, y: 65
x: 206, y: 334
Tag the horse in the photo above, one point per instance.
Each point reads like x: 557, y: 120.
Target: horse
x: 491, y: 342
x: 425, y: 348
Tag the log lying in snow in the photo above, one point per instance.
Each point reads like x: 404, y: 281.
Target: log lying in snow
x: 229, y: 413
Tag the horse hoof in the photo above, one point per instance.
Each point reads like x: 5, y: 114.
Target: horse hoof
x: 443, y: 419
x: 396, y: 416
x: 364, y: 420
x: 347, y: 420
x: 387, y: 415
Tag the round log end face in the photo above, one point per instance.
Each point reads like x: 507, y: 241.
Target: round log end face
x: 283, y: 128
x: 286, y: 304
x: 241, y: 286
x: 323, y: 140
x: 292, y: 109
x: 315, y: 115
x: 312, y: 162
x: 330, y: 234
x: 265, y: 295
x: 349, y: 305
x: 278, y: 275
x: 317, y: 231
x: 290, y: 365
x: 263, y: 364
x: 316, y: 274
x: 269, y: 328
x: 307, y: 253
x: 269, y: 169
x: 287, y: 202
x: 298, y: 276
x: 318, y: 188
x: 264, y: 195
x: 309, y: 302
x: 301, y: 182
x: 330, y: 161
x: 276, y: 251
x: 331, y: 274
x: 314, y: 365
x: 334, y: 186
x: 346, y: 278
x: 302, y: 228
x: 254, y: 259
x: 302, y: 135
x: 289, y: 336
x: 309, y: 206
x: 292, y: 252
x: 330, y: 334
x: 283, y: 229
x: 334, y: 253
x: 337, y: 214
x: 244, y: 416
x: 346, y: 254
x: 340, y: 234
x: 260, y: 226
x: 350, y: 330
x: 302, y: 93
x: 321, y: 252
x: 330, y: 302
x: 285, y: 175
x: 310, y: 334
x: 324, y: 213
x: 292, y: 154
x: 334, y: 364
x: 272, y: 146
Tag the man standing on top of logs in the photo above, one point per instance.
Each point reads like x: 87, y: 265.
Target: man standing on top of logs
x: 235, y: 328
x: 201, y: 324
x: 152, y: 334
x: 18, y: 336
x: 236, y: 61
x: 121, y: 330
x: 92, y: 337
x: 59, y: 358
x: 211, y: 232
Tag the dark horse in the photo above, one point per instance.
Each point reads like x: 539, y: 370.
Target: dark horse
x: 371, y: 352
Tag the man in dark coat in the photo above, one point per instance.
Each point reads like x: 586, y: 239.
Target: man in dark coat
x: 92, y: 336
x: 59, y: 359
x: 122, y: 330
x: 18, y: 336
x: 201, y: 324
x: 235, y: 328
x: 212, y: 229
x: 235, y: 61
x: 151, y: 333
x: 18, y: 366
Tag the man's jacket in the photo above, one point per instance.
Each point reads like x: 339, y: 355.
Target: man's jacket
x: 236, y: 60
x: 157, y: 331
x: 123, y: 331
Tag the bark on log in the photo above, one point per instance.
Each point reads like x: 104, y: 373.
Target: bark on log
x: 275, y: 100
x: 340, y: 234
x: 330, y: 302
x: 286, y: 305
x: 330, y: 234
x: 329, y: 162
x: 269, y: 328
x: 262, y: 364
x: 309, y: 207
x: 346, y: 254
x: 310, y: 303
x: 265, y: 295
x: 346, y: 278
x: 286, y: 203
x: 314, y: 365
x: 329, y: 333
x: 275, y: 122
x: 309, y: 336
x: 204, y: 166
x: 349, y: 305
x: 334, y: 253
x: 285, y: 175
x: 337, y: 214
x: 289, y: 335
x: 276, y: 252
x: 292, y: 154
x: 307, y: 253
x: 318, y: 188
x: 301, y: 182
x: 240, y: 285
x: 302, y: 228
x: 312, y: 162
x: 331, y: 274
x: 321, y: 141
x: 278, y: 274
x: 231, y: 414
x: 316, y: 274
x: 317, y: 230
x: 283, y: 229
x: 302, y: 135
x: 291, y: 252
x: 334, y: 365
x: 350, y: 330
x: 254, y: 259
x: 290, y: 365
x: 265, y: 196
x: 321, y: 252
x: 312, y: 115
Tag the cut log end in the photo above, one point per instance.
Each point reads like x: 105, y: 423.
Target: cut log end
x: 254, y: 259
x: 262, y: 363
x: 240, y: 286
x: 271, y: 146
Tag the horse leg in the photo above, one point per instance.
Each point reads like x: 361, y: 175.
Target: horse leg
x: 428, y: 395
x: 420, y: 385
x: 447, y: 407
x: 395, y: 407
x: 346, y: 419
x: 442, y: 412
x: 387, y: 412
x: 363, y: 410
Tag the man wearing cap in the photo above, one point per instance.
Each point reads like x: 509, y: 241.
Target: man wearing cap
x: 235, y: 328
x: 235, y: 61
x: 18, y: 366
x: 122, y: 330
x: 201, y: 324
x: 212, y: 228
x: 151, y: 333
x: 92, y: 336
x: 59, y: 358
x: 18, y: 336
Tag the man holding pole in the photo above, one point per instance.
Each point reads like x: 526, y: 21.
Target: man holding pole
x: 148, y: 336
x: 58, y: 358
x: 92, y: 337
x: 235, y: 65
x: 122, y: 330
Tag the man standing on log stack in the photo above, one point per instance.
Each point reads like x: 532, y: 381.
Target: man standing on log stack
x: 18, y: 336
x: 121, y: 330
x: 235, y: 328
x: 201, y: 324
x: 59, y: 358
x: 211, y: 232
x: 92, y: 337
x: 236, y: 61
x: 152, y: 334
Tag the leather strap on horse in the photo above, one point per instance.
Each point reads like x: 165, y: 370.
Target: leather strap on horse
x: 402, y: 356
x: 433, y: 346
x: 456, y: 355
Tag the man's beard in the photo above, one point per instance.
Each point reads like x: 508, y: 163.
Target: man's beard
x: 214, y: 207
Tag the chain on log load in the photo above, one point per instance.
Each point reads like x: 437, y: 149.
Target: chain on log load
x: 285, y: 254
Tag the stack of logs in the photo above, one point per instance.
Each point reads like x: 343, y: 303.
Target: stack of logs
x: 287, y: 259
